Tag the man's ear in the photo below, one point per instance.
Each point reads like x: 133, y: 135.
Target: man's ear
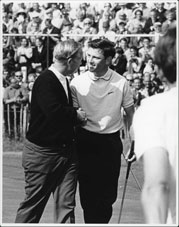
x: 69, y: 61
x: 108, y: 60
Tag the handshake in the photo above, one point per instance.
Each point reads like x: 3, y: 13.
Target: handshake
x: 81, y: 115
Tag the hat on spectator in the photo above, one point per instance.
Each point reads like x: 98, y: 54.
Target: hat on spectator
x: 122, y: 4
x: 21, y: 12
x: 34, y: 14
x: 157, y: 24
x: 136, y: 10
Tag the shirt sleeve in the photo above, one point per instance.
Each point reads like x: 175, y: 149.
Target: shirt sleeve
x: 74, y: 94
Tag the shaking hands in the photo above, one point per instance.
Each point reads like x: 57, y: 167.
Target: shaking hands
x: 81, y: 115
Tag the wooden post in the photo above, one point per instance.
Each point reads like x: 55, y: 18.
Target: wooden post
x: 8, y: 120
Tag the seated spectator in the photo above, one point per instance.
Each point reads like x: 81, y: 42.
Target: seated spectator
x: 39, y: 54
x: 136, y: 25
x: 136, y: 91
x: 134, y: 63
x: 88, y: 27
x: 120, y: 17
x: 129, y: 77
x: 146, y: 10
x: 107, y: 32
x: 124, y: 10
x: 121, y: 28
x: 119, y: 61
x: 149, y: 88
x: 14, y: 41
x: 149, y: 66
x: 23, y: 54
x: 170, y: 18
x: 147, y: 51
x: 149, y: 25
x: 123, y: 43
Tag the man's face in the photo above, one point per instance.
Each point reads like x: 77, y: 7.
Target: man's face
x: 96, y: 61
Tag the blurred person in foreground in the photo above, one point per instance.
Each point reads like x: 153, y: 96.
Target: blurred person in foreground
x: 101, y: 93
x: 49, y: 157
x: 155, y: 131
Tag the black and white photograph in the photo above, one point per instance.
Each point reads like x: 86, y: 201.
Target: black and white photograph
x: 89, y: 117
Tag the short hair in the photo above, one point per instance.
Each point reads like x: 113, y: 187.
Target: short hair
x: 165, y: 54
x: 66, y: 49
x: 119, y: 50
x: 105, y: 45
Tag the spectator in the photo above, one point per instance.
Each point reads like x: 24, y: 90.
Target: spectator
x: 150, y: 22
x: 147, y: 51
x: 23, y: 54
x: 39, y: 55
x: 123, y: 43
x: 14, y: 97
x: 161, y: 11
x: 170, y: 18
x: 7, y: 21
x: 136, y: 24
x: 136, y: 90
x: 51, y: 41
x: 149, y: 88
x: 119, y: 62
x: 149, y: 66
x: 144, y: 8
x: 21, y: 21
x: 134, y: 63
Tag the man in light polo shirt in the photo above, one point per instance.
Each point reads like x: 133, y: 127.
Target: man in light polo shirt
x: 101, y: 93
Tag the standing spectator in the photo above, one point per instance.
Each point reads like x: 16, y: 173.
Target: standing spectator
x: 161, y: 11
x: 14, y: 97
x: 23, y: 54
x: 39, y: 55
x: 49, y: 158
x: 98, y: 141
x: 21, y: 21
x: 170, y: 18
x: 156, y: 140
x: 119, y: 62
x: 149, y: 24
x: 53, y: 38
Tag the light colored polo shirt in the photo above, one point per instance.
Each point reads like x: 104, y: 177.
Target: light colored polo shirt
x: 60, y: 77
x: 102, y: 100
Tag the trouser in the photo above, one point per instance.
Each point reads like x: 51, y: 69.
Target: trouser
x: 48, y: 171
x: 99, y: 168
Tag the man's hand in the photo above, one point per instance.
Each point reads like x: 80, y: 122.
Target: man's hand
x: 81, y: 115
x: 130, y: 156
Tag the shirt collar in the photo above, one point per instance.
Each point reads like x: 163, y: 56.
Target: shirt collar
x: 57, y: 73
x: 106, y: 76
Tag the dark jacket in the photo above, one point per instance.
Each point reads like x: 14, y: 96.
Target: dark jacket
x: 52, y: 117
x: 40, y: 57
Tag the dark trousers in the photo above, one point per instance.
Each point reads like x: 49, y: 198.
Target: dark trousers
x: 99, y: 168
x: 48, y: 171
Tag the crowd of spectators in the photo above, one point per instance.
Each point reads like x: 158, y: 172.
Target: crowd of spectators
x: 30, y: 31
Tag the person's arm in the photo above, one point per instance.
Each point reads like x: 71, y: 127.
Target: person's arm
x: 129, y: 115
x: 155, y: 193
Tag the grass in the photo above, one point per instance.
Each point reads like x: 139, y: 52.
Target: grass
x: 10, y: 145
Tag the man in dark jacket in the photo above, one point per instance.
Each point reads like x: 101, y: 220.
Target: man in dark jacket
x: 49, y: 159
